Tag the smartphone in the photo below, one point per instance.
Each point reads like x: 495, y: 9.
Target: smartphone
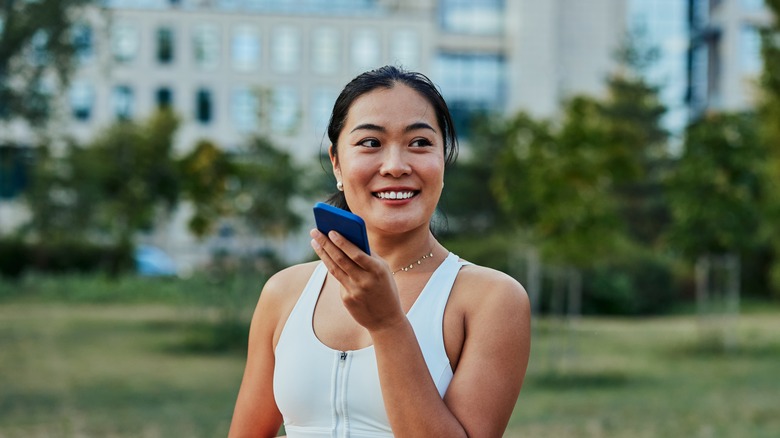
x: 349, y: 225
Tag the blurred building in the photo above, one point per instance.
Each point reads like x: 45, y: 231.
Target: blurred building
x: 725, y: 54
x: 663, y: 25
x: 230, y: 68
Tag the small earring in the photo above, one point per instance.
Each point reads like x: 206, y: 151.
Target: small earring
x: 340, y: 186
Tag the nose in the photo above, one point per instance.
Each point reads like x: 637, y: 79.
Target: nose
x: 395, y: 162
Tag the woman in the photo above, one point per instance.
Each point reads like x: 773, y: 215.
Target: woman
x: 409, y: 341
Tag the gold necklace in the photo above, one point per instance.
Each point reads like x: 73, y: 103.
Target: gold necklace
x: 412, y: 265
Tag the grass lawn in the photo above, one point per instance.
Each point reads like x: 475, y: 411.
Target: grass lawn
x: 117, y: 370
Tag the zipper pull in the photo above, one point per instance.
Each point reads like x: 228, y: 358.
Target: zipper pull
x: 343, y: 355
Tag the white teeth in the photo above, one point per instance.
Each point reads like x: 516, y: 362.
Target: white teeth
x: 395, y: 195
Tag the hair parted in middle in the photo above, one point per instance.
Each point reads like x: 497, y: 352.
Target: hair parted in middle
x: 387, y: 77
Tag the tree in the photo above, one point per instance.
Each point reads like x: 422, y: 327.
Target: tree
x: 769, y: 114
x: 638, y: 143
x: 715, y: 188
x: 205, y: 175
x: 37, y: 45
x: 256, y: 185
x: 121, y: 183
x: 467, y: 203
x: 267, y: 183
x: 555, y: 181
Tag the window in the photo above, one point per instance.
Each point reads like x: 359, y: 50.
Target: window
x: 699, y: 77
x: 245, y: 108
x: 83, y: 43
x: 165, y: 45
x: 322, y: 101
x: 483, y: 17
x: 39, y: 54
x: 123, y: 104
x: 124, y: 42
x: 471, y: 84
x: 164, y: 98
x: 753, y: 5
x: 700, y: 13
x: 406, y: 48
x: 286, y: 111
x: 204, y: 106
x: 365, y: 50
x: 14, y: 169
x: 82, y: 99
x: 246, y: 49
x: 325, y: 44
x: 286, y: 50
x: 750, y: 49
x: 206, y: 46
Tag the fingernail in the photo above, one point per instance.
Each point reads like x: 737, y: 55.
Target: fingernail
x: 314, y: 244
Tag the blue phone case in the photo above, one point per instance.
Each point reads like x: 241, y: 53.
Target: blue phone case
x: 349, y: 225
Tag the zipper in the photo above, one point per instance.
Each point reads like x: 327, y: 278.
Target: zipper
x: 340, y: 415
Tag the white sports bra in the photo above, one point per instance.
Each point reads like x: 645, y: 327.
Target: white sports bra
x: 323, y: 392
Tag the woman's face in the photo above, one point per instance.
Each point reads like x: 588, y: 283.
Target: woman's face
x: 390, y: 158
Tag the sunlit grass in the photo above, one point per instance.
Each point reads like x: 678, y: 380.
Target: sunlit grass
x: 83, y: 368
x: 652, y: 377
x: 76, y: 370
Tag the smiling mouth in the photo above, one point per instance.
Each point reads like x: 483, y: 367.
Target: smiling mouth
x: 396, y: 195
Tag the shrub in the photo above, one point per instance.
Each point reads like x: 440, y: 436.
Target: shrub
x: 17, y: 257
x: 641, y: 283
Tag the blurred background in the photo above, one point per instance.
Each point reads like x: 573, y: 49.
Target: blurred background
x: 620, y: 158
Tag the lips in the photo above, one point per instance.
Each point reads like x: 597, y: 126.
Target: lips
x: 396, y: 194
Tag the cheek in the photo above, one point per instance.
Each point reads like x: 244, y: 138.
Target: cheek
x: 433, y: 171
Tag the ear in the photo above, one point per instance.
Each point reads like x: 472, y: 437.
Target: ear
x: 334, y: 161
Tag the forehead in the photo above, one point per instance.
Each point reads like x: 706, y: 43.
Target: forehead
x: 389, y: 107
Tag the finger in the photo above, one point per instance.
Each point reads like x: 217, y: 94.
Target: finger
x: 334, y: 254
x: 330, y: 264
x: 355, y: 254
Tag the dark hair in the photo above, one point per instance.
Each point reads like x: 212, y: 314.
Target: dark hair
x: 387, y: 77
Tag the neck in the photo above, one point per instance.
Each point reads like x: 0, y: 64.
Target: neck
x: 400, y: 250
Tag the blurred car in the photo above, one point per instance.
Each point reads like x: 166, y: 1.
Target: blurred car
x: 151, y: 261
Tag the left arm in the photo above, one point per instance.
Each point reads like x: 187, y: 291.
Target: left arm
x: 486, y: 384
x: 487, y: 381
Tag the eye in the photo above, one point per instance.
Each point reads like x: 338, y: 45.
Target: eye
x: 369, y: 143
x: 421, y: 142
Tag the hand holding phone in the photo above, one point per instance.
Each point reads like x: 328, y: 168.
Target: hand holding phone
x: 349, y: 225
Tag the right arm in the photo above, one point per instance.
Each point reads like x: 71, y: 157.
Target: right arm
x: 256, y: 413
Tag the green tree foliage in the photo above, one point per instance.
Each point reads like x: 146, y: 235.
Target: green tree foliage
x: 205, y: 174
x: 59, y: 209
x: 769, y: 112
x: 268, y: 181
x: 715, y: 189
x: 36, y: 45
x: 120, y: 183
x: 556, y: 181
x: 467, y: 203
x: 257, y: 185
x: 637, y: 153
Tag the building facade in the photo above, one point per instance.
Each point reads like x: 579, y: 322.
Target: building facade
x: 231, y: 68
x: 725, y: 54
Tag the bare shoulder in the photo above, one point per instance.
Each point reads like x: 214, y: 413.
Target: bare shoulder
x: 487, y: 283
x: 289, y: 282
x: 487, y: 292
x: 278, y: 298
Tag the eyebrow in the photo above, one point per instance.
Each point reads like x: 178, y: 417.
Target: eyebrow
x: 373, y: 127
